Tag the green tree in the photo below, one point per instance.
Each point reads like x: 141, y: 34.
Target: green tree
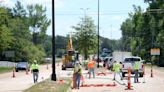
x: 86, y: 36
x: 142, y: 30
x: 6, y: 38
x: 38, y: 22
x: 19, y: 10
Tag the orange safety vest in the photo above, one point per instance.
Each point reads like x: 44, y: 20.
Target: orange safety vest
x: 91, y: 64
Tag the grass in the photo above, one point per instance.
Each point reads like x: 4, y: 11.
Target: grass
x: 50, y: 86
x: 58, y: 59
x: 5, y: 69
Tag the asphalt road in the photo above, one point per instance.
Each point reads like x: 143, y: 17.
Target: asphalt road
x: 23, y: 81
x: 155, y: 84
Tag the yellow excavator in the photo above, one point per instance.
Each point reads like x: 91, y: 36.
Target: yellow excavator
x: 70, y: 56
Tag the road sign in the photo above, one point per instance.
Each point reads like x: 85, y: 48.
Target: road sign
x: 155, y: 51
x: 8, y: 53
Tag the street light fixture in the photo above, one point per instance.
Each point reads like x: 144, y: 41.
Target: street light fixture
x: 53, y: 76
x: 84, y: 9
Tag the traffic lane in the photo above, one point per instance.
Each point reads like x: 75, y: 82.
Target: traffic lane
x: 22, y: 82
x: 155, y: 83
x: 21, y: 72
x: 151, y: 84
x: 108, y: 79
x: 157, y: 71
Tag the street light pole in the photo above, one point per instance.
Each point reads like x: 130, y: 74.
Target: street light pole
x: 53, y: 76
x: 84, y: 9
x: 98, y: 59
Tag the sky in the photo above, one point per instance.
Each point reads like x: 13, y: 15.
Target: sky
x: 69, y: 12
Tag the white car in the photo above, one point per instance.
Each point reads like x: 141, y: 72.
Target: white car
x: 129, y: 62
x: 109, y: 62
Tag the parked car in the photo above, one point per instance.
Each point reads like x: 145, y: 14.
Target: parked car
x: 129, y: 62
x: 110, y: 63
x: 22, y: 66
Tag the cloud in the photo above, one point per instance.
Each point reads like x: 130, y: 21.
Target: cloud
x: 45, y: 3
x: 62, y: 28
x: 8, y: 3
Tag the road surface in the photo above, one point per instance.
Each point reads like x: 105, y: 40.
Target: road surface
x: 151, y: 84
x: 23, y: 81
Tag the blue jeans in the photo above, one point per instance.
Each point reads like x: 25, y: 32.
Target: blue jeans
x: 136, y: 76
x: 91, y: 71
x: 78, y: 77
x: 35, y: 76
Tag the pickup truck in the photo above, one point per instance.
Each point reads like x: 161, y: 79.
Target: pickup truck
x: 129, y: 62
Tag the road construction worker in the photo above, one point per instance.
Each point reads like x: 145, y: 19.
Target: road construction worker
x: 136, y: 69
x: 91, y: 67
x: 77, y: 75
x: 35, y: 71
x: 116, y: 69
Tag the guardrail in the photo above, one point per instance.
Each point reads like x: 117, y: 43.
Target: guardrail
x: 7, y: 64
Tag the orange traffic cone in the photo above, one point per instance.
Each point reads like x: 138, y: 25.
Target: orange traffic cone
x: 13, y: 73
x: 129, y: 80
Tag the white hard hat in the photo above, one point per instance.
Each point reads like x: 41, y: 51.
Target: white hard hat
x: 35, y: 61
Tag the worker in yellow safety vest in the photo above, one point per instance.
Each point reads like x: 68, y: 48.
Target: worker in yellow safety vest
x: 136, y: 69
x: 78, y: 74
x: 116, y: 68
x: 35, y: 71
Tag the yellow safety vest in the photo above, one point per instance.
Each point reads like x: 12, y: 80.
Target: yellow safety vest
x: 136, y: 65
x: 34, y: 66
x: 77, y: 68
x: 116, y: 67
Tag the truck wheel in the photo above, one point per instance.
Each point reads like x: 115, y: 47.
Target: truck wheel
x: 16, y: 70
x: 63, y: 68
x: 123, y: 74
x: 141, y: 75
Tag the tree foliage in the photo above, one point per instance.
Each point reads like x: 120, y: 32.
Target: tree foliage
x: 16, y: 35
x: 86, y: 36
x: 38, y: 22
x: 143, y: 30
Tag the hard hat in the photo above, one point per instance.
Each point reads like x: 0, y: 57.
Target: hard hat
x: 35, y: 61
x: 77, y: 62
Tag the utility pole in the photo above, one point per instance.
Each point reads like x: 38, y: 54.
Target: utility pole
x: 98, y: 58
x: 53, y: 76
